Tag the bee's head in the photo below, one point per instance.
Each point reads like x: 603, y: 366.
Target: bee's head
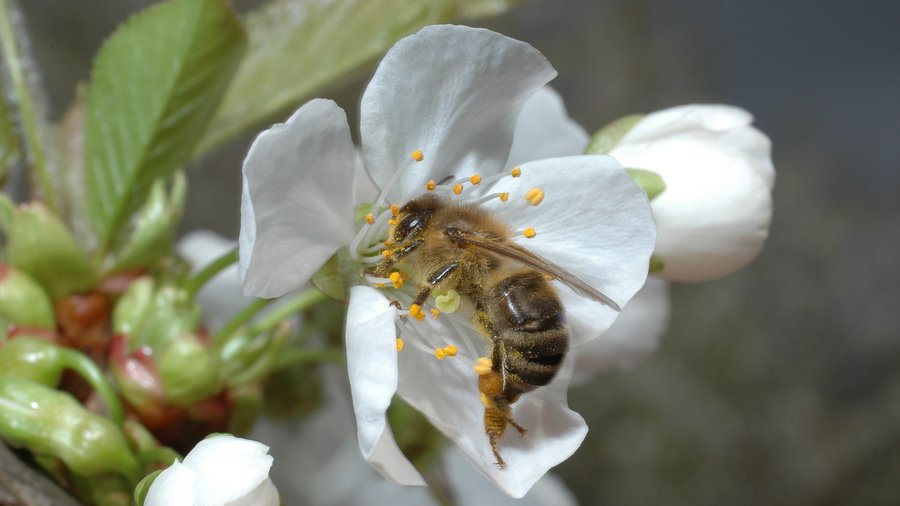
x: 414, y: 217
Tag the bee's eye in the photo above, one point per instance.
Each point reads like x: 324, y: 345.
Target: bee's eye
x: 410, y: 223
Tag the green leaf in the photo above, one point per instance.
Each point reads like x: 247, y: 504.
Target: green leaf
x: 607, y: 137
x: 9, y: 141
x: 156, y: 82
x: 299, y: 48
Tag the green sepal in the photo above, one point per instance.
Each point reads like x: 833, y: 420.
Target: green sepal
x: 143, y: 488
x: 656, y: 264
x: 41, y: 245
x: 52, y: 423
x: 330, y: 278
x: 23, y: 301
x: 190, y: 370
x: 609, y: 136
x: 649, y: 181
x: 155, y: 225
x: 153, y: 315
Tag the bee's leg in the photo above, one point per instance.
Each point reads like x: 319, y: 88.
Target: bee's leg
x: 392, y: 258
x: 442, y: 275
x: 496, y: 412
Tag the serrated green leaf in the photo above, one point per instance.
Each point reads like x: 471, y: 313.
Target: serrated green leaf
x: 156, y: 82
x: 300, y: 47
x: 9, y: 141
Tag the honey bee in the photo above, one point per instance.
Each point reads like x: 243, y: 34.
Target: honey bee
x: 444, y: 245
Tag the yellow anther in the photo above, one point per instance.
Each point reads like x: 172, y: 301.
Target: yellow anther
x: 392, y: 222
x: 504, y: 196
x: 431, y: 185
x: 386, y: 253
x: 388, y: 242
x: 399, y: 344
x: 370, y: 218
x: 417, y: 155
x: 439, y: 354
x: 534, y: 196
x: 529, y: 233
x: 395, y: 209
x: 475, y: 179
x: 516, y: 172
x: 435, y: 312
x: 483, y: 366
x: 396, y: 279
x: 415, y: 311
x: 458, y: 188
x: 451, y: 350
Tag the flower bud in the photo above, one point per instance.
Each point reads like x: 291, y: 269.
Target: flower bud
x: 151, y: 238
x: 190, y: 370
x: 22, y: 301
x: 153, y: 315
x: 714, y: 212
x: 43, y: 362
x: 41, y: 245
x: 52, y: 423
x: 221, y: 469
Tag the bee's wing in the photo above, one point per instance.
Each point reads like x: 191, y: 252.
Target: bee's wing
x: 515, y: 252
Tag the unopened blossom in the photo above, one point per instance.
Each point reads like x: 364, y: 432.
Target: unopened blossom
x: 714, y: 213
x: 221, y: 470
x: 440, y: 115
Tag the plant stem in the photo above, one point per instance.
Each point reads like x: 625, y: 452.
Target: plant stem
x: 15, y: 66
x: 194, y: 284
x: 296, y: 304
x: 310, y: 356
x: 241, y: 318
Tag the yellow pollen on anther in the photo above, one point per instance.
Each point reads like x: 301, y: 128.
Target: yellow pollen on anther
x: 534, y: 196
x: 529, y: 233
x: 483, y: 366
x: 475, y: 179
x: 458, y: 188
x: 451, y: 350
x: 431, y: 185
x: 387, y: 253
x: 370, y: 218
x: 504, y: 196
x: 415, y: 311
x: 392, y: 223
x: 516, y: 172
x: 417, y: 155
x: 439, y: 354
x: 395, y: 209
x: 435, y: 312
x: 396, y: 279
x: 399, y: 344
x: 388, y: 242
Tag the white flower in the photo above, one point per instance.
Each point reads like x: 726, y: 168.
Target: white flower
x: 714, y: 214
x: 452, y: 94
x: 221, y: 470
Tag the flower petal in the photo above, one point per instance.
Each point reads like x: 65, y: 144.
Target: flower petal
x: 372, y: 368
x: 545, y: 130
x: 726, y: 129
x: 635, y: 333
x: 714, y: 214
x: 593, y: 222
x: 173, y: 487
x: 452, y: 92
x: 297, y: 203
x: 446, y: 392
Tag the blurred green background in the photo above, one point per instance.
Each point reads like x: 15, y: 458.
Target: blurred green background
x: 778, y: 385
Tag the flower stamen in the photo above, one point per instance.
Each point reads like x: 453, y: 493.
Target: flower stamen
x: 534, y: 196
x: 529, y: 233
x: 399, y: 344
x: 418, y: 155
